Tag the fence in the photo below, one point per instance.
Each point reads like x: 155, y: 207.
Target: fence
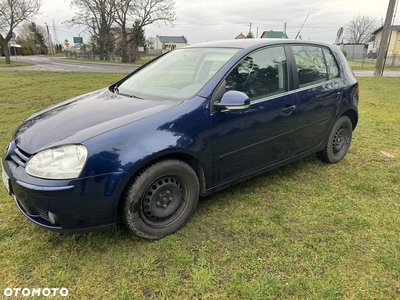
x: 111, y: 57
x: 391, y: 61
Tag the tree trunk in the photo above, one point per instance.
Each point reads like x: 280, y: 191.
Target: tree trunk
x: 133, y: 51
x: 102, y: 49
x: 4, y: 44
x: 124, y: 46
x: 7, y: 54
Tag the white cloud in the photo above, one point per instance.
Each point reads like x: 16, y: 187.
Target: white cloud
x: 213, y: 20
x: 224, y: 19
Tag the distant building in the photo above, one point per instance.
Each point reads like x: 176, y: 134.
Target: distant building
x: 394, y: 44
x: 170, y: 42
x: 274, y: 35
x: 240, y: 37
x: 14, y: 48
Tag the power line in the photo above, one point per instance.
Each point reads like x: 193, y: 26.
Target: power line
x: 55, y: 33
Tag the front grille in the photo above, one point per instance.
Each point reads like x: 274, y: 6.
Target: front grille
x: 29, y: 209
x: 32, y: 211
x: 20, y: 157
x: 36, y: 215
x: 43, y: 214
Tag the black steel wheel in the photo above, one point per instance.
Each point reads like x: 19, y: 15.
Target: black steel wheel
x: 338, y: 142
x: 161, y: 199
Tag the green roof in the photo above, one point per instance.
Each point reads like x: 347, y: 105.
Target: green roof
x: 274, y: 35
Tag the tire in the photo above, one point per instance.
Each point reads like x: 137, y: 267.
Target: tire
x: 338, y: 142
x: 160, y: 200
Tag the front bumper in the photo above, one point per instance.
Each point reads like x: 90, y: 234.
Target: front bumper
x: 81, y: 205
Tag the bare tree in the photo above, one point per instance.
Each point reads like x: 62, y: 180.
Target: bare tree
x: 359, y: 29
x: 150, y: 42
x: 13, y: 13
x: 135, y: 15
x: 123, y: 16
x: 98, y: 17
x: 149, y: 11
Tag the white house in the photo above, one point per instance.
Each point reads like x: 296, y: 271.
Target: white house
x: 394, y: 43
x: 170, y: 42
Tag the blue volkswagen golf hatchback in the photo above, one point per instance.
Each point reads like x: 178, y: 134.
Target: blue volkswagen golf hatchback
x: 192, y: 122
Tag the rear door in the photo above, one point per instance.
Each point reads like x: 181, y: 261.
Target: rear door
x: 318, y: 95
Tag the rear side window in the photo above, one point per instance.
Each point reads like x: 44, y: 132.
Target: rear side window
x: 333, y: 70
x: 314, y: 64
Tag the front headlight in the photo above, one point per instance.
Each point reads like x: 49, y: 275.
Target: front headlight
x: 64, y: 162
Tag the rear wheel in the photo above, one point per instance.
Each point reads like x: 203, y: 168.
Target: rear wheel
x: 338, y: 142
x: 161, y: 199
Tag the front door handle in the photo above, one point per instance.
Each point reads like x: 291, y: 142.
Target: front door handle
x: 288, y: 108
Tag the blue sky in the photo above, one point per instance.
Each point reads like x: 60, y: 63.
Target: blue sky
x: 209, y: 20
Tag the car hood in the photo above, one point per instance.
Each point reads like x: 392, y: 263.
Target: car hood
x: 82, y: 118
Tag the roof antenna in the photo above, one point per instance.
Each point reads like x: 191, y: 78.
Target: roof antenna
x: 301, y: 27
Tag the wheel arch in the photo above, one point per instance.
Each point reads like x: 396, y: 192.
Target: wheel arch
x: 184, y: 157
x: 352, y: 115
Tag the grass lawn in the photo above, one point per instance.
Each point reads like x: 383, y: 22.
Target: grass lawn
x: 308, y: 230
x: 14, y: 63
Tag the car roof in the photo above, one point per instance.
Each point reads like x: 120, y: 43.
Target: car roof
x: 252, y: 43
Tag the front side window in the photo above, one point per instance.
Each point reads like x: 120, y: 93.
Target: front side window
x: 261, y: 74
x: 179, y: 75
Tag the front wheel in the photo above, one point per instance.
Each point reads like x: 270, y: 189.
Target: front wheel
x: 338, y: 142
x: 161, y: 199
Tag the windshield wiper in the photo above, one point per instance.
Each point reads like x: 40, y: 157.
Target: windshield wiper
x: 126, y: 95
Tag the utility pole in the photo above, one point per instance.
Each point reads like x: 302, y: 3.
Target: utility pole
x: 49, y: 39
x: 250, y: 35
x: 55, y: 33
x: 383, y: 47
x: 284, y: 29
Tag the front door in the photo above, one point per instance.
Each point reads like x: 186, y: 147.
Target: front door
x: 248, y: 140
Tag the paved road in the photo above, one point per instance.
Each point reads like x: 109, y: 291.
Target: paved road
x: 43, y: 63
x: 362, y: 73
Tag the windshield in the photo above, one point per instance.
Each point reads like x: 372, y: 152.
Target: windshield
x: 178, y: 75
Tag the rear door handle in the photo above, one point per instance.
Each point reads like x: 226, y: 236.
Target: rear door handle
x: 336, y: 95
x: 288, y: 108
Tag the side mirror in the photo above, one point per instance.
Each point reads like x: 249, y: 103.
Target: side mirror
x: 234, y: 100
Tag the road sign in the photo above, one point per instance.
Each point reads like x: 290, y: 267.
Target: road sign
x: 339, y: 35
x: 78, y: 40
x: 340, y: 32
